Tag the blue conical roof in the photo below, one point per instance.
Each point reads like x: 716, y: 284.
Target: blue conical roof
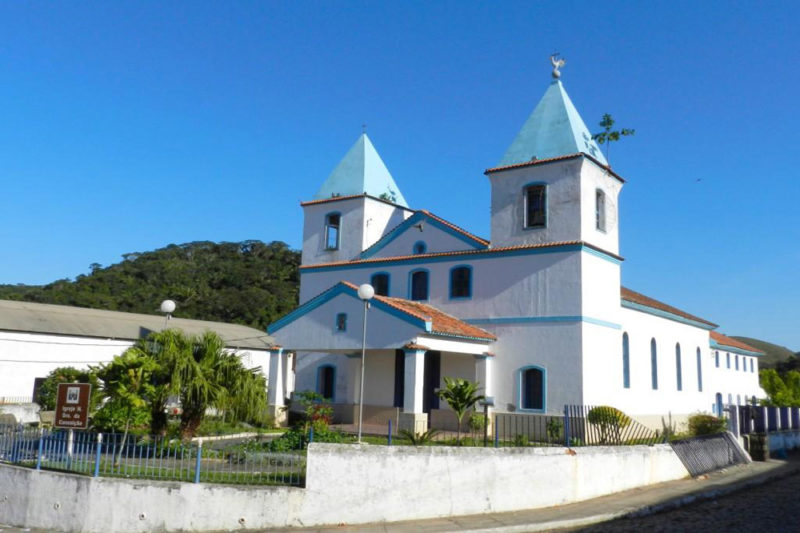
x: 554, y: 129
x: 361, y: 171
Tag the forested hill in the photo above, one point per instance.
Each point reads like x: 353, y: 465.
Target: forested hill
x: 775, y: 356
x: 248, y: 282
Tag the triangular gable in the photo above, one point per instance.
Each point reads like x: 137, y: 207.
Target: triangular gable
x: 423, y: 226
x: 555, y: 128
x: 361, y: 171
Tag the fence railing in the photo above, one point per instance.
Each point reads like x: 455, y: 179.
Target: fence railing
x: 762, y: 419
x: 602, y: 425
x: 12, y: 400
x: 112, y: 455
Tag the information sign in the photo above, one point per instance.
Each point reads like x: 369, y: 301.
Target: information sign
x: 72, y: 405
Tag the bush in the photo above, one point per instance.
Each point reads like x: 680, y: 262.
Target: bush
x: 476, y: 422
x: 111, y: 417
x: 610, y: 420
x: 702, y: 424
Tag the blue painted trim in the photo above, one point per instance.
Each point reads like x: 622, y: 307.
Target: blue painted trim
x: 653, y: 364
x: 450, y: 278
x: 716, y: 359
x: 678, y: 367
x: 525, y: 205
x: 534, y: 319
x: 520, y: 403
x: 727, y: 361
x: 388, y: 281
x: 699, y: 371
x: 626, y: 361
x: 333, y: 292
x: 666, y: 314
x: 421, y: 244
x: 411, y: 287
x: 715, y: 345
x: 455, y: 336
x: 418, y: 217
x: 473, y: 255
x: 319, y: 371
x: 338, y: 231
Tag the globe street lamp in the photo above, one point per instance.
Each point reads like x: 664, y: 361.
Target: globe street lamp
x: 167, y: 307
x: 365, y: 292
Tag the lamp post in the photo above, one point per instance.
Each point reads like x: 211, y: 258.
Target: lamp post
x: 167, y: 307
x: 365, y: 292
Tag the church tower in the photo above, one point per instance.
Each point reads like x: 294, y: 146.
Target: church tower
x: 553, y: 183
x: 354, y: 207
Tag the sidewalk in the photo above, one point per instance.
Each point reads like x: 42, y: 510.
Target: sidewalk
x: 636, y: 502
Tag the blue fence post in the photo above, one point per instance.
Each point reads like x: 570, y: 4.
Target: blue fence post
x: 566, y: 426
x: 39, y: 452
x: 496, y: 433
x: 198, y: 461
x: 390, y: 432
x: 97, y: 455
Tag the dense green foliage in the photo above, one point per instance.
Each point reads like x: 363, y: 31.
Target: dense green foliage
x: 46, y: 395
x: 249, y: 282
x: 461, y: 395
x: 783, y: 389
x: 703, y: 424
x: 611, y: 421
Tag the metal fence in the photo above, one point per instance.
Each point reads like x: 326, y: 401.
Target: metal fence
x: 709, y: 452
x: 112, y: 455
x: 602, y: 425
x: 750, y: 419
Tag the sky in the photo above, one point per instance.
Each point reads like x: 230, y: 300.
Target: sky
x: 128, y: 126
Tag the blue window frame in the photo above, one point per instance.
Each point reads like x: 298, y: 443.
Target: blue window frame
x: 326, y: 381
x: 535, y: 195
x: 461, y: 282
x: 653, y: 364
x: 736, y: 359
x: 380, y: 282
x: 728, y: 361
x: 626, y: 362
x: 699, y: 370
x: 419, y: 285
x: 751, y: 366
x: 678, y: 369
x: 532, y: 388
x: 420, y: 247
x: 716, y: 359
x: 333, y: 222
x: 341, y: 322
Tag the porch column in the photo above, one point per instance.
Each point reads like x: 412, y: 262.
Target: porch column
x: 413, y: 418
x: 483, y: 375
x: 275, y: 390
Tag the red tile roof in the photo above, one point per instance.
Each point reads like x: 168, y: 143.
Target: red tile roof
x: 554, y: 159
x: 733, y: 343
x: 459, y: 253
x: 637, y: 298
x: 441, y: 322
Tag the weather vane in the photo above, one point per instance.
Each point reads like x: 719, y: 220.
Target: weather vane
x: 557, y: 64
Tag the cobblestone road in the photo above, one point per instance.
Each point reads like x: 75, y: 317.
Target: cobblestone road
x: 773, y: 507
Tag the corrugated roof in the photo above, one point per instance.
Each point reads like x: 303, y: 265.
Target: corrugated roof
x: 641, y: 299
x: 733, y: 343
x: 32, y: 317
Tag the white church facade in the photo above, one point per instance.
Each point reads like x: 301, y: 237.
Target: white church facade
x: 536, y: 314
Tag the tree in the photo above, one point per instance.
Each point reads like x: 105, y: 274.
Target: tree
x: 607, y: 136
x: 782, y: 390
x: 46, y: 395
x: 461, y: 395
x: 125, y: 381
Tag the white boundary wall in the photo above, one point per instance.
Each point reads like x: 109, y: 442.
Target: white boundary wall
x: 345, y: 483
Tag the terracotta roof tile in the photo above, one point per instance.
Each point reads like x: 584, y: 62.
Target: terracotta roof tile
x: 641, y: 299
x: 441, y: 322
x: 733, y: 343
x: 412, y: 346
x: 457, y: 253
x: 554, y: 159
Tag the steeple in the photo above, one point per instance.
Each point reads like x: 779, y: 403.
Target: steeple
x: 554, y: 129
x: 361, y: 171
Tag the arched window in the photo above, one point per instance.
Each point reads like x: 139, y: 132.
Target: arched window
x: 536, y: 206
x: 653, y: 364
x: 600, y: 209
x: 532, y: 388
x: 332, y: 223
x: 419, y: 285
x: 326, y: 381
x: 626, y: 362
x: 699, y: 371
x: 420, y: 247
x: 737, y: 362
x: 716, y: 359
x: 751, y: 366
x: 380, y: 282
x: 744, y: 364
x: 678, y: 370
x: 728, y: 361
x: 461, y: 282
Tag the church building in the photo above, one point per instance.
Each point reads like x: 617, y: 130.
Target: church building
x: 535, y: 314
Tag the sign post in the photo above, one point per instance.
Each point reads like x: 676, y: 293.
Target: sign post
x: 72, y: 411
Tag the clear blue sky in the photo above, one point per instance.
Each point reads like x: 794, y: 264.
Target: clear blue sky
x: 127, y: 126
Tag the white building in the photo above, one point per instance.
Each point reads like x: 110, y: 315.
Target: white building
x: 536, y: 314
x: 37, y: 338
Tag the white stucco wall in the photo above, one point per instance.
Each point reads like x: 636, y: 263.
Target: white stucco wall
x: 345, y: 484
x: 736, y: 386
x: 435, y: 239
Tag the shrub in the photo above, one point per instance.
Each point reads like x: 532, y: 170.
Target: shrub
x: 610, y: 420
x: 476, y: 422
x: 703, y: 424
x: 555, y: 428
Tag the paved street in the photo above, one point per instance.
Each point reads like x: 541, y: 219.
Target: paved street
x: 773, y: 507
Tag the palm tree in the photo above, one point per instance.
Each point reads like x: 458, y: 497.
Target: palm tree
x: 461, y: 395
